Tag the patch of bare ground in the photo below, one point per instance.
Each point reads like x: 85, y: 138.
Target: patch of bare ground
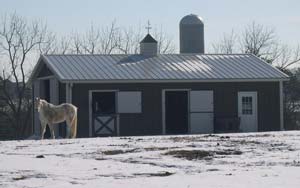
x: 201, y: 154
x: 115, y: 176
x: 202, y: 138
x: 21, y: 177
x: 228, y: 152
x: 245, y: 142
x: 119, y: 145
x: 159, y: 148
x: 188, y: 139
x: 118, y: 151
x: 157, y: 174
x: 258, y: 135
x: 212, y: 170
x: 21, y: 147
x: 26, y: 175
x: 136, y: 175
x: 190, y: 154
x: 134, y: 161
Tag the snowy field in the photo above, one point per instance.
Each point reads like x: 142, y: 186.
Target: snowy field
x: 270, y: 159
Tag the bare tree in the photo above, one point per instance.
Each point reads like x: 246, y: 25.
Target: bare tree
x: 261, y: 41
x: 113, y: 40
x: 129, y: 40
x: 287, y: 57
x: 164, y: 42
x: 96, y: 40
x: 227, y: 45
x: 19, y: 39
x: 76, y: 43
x: 258, y: 39
x: 91, y: 40
x: 109, y: 38
x: 63, y: 46
x: 48, y: 44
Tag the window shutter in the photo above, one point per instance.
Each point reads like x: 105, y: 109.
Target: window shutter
x: 129, y: 102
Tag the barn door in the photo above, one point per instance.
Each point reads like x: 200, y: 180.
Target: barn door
x: 104, y: 116
x: 247, y: 110
x: 176, y: 112
x: 201, y: 112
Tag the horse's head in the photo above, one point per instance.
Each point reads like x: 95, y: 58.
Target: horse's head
x: 37, y: 104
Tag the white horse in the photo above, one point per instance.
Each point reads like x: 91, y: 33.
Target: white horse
x: 51, y: 114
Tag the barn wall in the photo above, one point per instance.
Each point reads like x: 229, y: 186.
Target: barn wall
x: 62, y: 99
x: 150, y: 120
x: 62, y: 93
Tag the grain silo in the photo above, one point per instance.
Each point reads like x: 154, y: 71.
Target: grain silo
x: 191, y: 29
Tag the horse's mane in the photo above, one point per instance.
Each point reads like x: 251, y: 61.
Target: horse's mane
x: 45, y: 103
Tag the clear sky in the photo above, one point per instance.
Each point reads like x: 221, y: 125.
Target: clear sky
x: 65, y: 16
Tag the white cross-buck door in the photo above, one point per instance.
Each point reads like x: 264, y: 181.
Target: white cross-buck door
x: 247, y: 111
x: 202, y: 111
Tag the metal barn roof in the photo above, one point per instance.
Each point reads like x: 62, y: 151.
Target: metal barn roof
x: 165, y: 67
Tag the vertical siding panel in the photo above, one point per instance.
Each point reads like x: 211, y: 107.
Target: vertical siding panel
x: 36, y: 92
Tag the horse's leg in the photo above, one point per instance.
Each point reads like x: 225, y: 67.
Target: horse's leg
x: 52, y: 131
x: 43, y: 125
x: 74, y: 126
x: 68, y: 127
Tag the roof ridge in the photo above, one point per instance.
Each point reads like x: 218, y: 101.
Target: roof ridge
x: 142, y: 54
x: 85, y: 54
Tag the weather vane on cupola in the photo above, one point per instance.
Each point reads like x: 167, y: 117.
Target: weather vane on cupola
x: 148, y: 27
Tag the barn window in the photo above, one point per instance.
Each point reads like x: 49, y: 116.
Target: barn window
x: 129, y: 102
x: 247, y: 105
x: 104, y: 103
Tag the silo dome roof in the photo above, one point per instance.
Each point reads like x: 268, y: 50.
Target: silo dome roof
x: 191, y: 19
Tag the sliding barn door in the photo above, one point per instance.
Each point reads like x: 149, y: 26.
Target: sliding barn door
x: 201, y: 112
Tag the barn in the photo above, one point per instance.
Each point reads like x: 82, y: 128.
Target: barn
x: 156, y: 94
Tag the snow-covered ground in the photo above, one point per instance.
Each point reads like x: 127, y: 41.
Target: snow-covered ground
x: 270, y: 159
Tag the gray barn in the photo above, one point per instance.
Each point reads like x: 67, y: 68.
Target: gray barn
x: 151, y: 94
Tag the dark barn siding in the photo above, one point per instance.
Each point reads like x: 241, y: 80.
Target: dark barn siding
x: 62, y: 99
x: 150, y: 120
x: 62, y: 93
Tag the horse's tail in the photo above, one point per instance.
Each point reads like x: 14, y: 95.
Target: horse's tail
x: 74, y: 124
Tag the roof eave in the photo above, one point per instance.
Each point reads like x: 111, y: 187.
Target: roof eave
x: 174, y: 80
